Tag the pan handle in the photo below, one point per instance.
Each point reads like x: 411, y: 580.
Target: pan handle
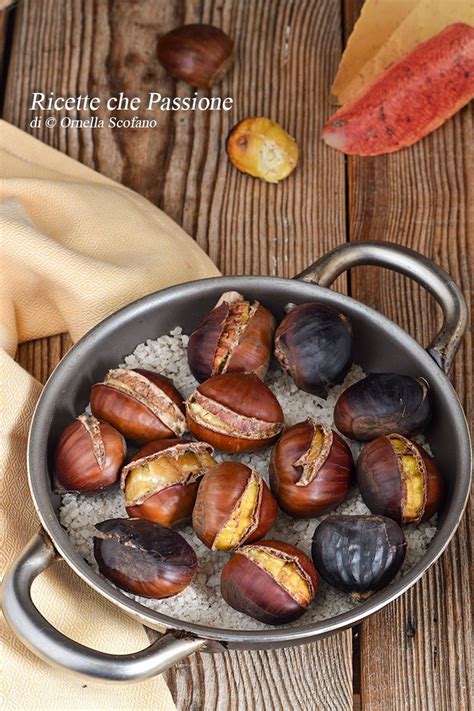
x: 406, y: 261
x: 57, y: 649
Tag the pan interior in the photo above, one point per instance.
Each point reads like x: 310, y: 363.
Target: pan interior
x: 380, y: 346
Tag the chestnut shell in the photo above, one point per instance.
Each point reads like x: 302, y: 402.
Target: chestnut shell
x: 382, y: 403
x: 314, y: 344
x: 330, y: 485
x: 358, y: 554
x: 144, y: 558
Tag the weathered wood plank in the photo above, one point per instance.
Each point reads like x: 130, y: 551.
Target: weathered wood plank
x: 416, y: 654
x: 286, y: 55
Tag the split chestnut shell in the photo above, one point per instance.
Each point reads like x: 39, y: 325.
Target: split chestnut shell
x: 383, y: 403
x: 89, y: 455
x: 399, y: 479
x: 235, y: 412
x: 235, y: 336
x: 358, y: 554
x: 141, y: 404
x: 314, y: 344
x: 270, y: 581
x: 310, y: 470
x: 144, y: 558
x: 233, y: 506
x: 161, y: 482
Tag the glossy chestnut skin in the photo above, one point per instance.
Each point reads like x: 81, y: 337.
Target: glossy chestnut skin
x: 144, y: 558
x: 248, y: 587
x: 383, y: 403
x: 172, y: 504
x: 89, y: 455
x: 198, y: 54
x: 329, y: 481
x: 358, y: 554
x: 134, y: 412
x: 220, y: 492
x: 314, y: 344
x: 221, y: 343
x: 247, y: 414
x: 388, y: 490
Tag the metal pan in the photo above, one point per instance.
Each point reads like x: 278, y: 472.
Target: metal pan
x: 380, y: 345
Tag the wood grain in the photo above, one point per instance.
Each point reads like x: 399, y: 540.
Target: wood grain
x: 416, y: 653
x: 287, y: 53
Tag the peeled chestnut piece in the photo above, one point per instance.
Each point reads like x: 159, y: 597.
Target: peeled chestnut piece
x: 161, y: 482
x: 141, y: 404
x: 314, y: 344
x: 235, y: 336
x: 89, y: 455
x: 144, y: 558
x: 397, y: 478
x: 235, y: 412
x: 310, y: 469
x: 270, y: 581
x: 358, y: 554
x: 383, y: 403
x: 198, y: 54
x: 233, y: 506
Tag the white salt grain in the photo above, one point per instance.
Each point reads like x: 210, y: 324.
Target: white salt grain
x: 201, y: 602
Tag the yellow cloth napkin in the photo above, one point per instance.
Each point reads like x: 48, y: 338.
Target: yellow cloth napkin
x: 75, y: 246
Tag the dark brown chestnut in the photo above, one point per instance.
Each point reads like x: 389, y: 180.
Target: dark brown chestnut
x: 233, y: 506
x: 89, y: 455
x: 310, y: 469
x: 397, y: 478
x: 235, y: 336
x: 270, y: 581
x: 144, y: 558
x: 314, y: 344
x: 383, y: 403
x: 358, y: 554
x: 235, y: 412
x: 161, y: 482
x: 198, y: 54
x: 141, y: 404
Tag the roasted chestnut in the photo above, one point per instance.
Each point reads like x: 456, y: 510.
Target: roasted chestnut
x: 161, y: 482
x: 310, y: 469
x: 314, y: 344
x: 144, y: 558
x: 270, y: 581
x: 233, y: 506
x: 397, y: 478
x: 235, y: 336
x: 89, y: 455
x: 141, y: 404
x: 383, y: 403
x: 235, y: 412
x: 198, y: 54
x: 358, y: 554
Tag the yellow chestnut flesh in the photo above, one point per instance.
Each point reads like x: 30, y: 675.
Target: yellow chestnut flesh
x: 241, y: 519
x: 285, y: 571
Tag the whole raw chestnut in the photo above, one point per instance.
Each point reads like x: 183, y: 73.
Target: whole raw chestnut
x: 198, y: 54
x: 262, y: 148
x: 161, y: 482
x: 270, y: 581
x: 235, y: 412
x: 144, y: 558
x: 89, y: 455
x: 397, y: 478
x: 310, y: 469
x: 233, y: 506
x: 141, y: 404
x: 358, y: 554
x: 383, y: 403
x: 314, y: 344
x: 235, y: 336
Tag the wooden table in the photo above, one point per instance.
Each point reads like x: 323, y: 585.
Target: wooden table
x: 414, y: 654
